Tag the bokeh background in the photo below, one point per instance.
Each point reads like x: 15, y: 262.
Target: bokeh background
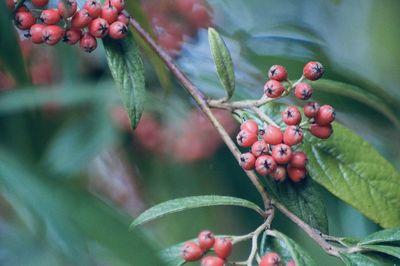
x: 73, y: 175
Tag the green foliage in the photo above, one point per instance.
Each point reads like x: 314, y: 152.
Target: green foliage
x: 370, y: 259
x: 389, y: 250
x: 383, y: 236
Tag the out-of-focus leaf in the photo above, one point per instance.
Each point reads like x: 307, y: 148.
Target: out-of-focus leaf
x: 388, y: 235
x: 273, y: 244
x: 126, y: 67
x: 357, y: 259
x: 390, y: 250
x: 172, y: 256
x: 182, y: 204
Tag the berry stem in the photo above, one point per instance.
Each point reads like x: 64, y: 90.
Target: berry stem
x: 263, y: 116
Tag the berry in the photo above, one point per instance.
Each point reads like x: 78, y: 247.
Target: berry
x: 296, y: 174
x: 293, y: 135
x: 81, y: 19
x: 273, y: 135
x: 270, y: 259
x: 291, y: 263
x: 124, y: 19
x: 24, y: 20
x: 299, y: 159
x: 246, y: 138
x: 40, y: 3
x: 206, y: 240
x: 311, y: 109
x: 118, y: 4
x: 36, y: 33
x: 109, y: 13
x: 313, y: 70
x: 10, y: 4
x: 50, y: 16
x: 118, y: 30
x: 250, y: 125
x: 212, y: 261
x: 277, y: 72
x: 303, y: 91
x: 191, y: 251
x: 279, y: 174
x: 281, y: 153
x: 199, y: 16
x: 52, y: 34
x: 93, y: 7
x: 273, y: 88
x: 259, y: 148
x: 265, y: 164
x: 291, y: 116
x: 322, y: 132
x: 67, y: 8
x: 99, y: 28
x: 88, y: 43
x: 247, y: 161
x: 72, y: 36
x: 326, y: 114
x: 22, y: 8
x: 223, y: 247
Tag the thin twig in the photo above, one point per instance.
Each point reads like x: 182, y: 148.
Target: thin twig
x: 263, y: 116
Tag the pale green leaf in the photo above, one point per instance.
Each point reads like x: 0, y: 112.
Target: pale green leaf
x: 388, y: 235
x: 389, y: 250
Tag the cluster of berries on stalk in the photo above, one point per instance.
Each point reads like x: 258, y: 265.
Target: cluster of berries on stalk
x: 273, y: 259
x: 194, y: 251
x: 273, y: 148
x: 71, y: 24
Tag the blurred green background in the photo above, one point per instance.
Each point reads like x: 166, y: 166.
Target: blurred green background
x: 72, y: 176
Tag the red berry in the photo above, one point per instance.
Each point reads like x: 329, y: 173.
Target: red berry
x: 247, y: 161
x: 40, y: 3
x: 72, y: 36
x: 212, y: 261
x: 10, y: 4
x: 124, y: 19
x: 50, y: 16
x: 311, y: 109
x: 303, y: 91
x: 270, y: 259
x: 313, y: 70
x: 279, y: 174
x: 36, y: 33
x: 199, y: 16
x: 118, y: 30
x: 281, y: 153
x: 246, y: 138
x: 293, y: 135
x: 273, y: 135
x: 81, y: 19
x: 99, y: 28
x: 191, y: 252
x: 322, y: 132
x: 296, y: 174
x: 223, y: 247
x: 93, y: 7
x: 67, y: 8
x: 206, y: 240
x: 277, y: 72
x: 52, y: 34
x: 265, y: 164
x: 326, y: 114
x: 88, y: 43
x: 24, y: 20
x: 250, y: 125
x: 273, y: 88
x: 259, y: 148
x: 291, y: 263
x: 118, y: 4
x: 291, y: 116
x: 109, y: 13
x: 299, y: 159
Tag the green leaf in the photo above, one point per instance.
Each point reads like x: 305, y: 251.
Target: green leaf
x: 273, y: 244
x: 172, y: 256
x: 127, y: 70
x: 390, y: 250
x: 223, y: 61
x: 388, y: 235
x: 182, y: 204
x: 357, y: 259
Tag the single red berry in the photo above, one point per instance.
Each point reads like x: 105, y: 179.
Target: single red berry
x: 299, y: 159
x: 250, y: 125
x: 277, y: 72
x: 24, y: 20
x: 118, y: 4
x: 52, y: 34
x: 313, y: 70
x: 281, y: 153
x: 246, y: 138
x: 223, y: 247
x: 191, y: 251
x: 50, y: 16
x: 291, y: 116
x: 93, y: 7
x: 273, y: 88
x: 99, y: 28
x: 67, y: 8
x: 36, y: 33
x: 273, y: 135
x: 291, y: 263
x: 199, y: 16
x: 124, y: 19
x: 293, y: 135
x: 81, y: 19
x: 259, y: 148
x: 212, y: 261
x: 10, y: 4
x: 247, y: 161
x: 72, y: 36
x: 118, y: 30
x: 311, y: 109
x: 303, y: 91
x: 271, y: 259
x: 326, y: 114
x: 322, y: 132
x: 265, y: 164
x: 279, y: 174
x: 206, y: 240
x: 296, y: 174
x: 88, y: 43
x: 109, y: 13
x: 39, y: 3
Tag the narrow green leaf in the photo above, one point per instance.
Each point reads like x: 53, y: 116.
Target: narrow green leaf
x: 390, y: 250
x: 223, y: 61
x: 182, y: 204
x: 357, y: 259
x: 388, y: 235
x: 127, y: 70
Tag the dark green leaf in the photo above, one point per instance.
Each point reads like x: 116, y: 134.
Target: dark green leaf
x: 182, y: 204
x: 127, y: 70
x: 357, y: 259
x: 390, y: 250
x: 222, y: 60
x: 273, y: 244
x: 388, y: 235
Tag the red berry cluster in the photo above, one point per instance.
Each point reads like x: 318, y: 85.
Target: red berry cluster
x: 206, y: 240
x: 273, y: 259
x: 272, y: 148
x: 84, y: 25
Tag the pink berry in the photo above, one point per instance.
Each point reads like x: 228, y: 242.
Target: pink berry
x: 270, y: 259
x: 223, y: 247
x: 326, y: 114
x: 250, y: 125
x: 206, y: 239
x: 293, y: 135
x: 212, y: 261
x: 265, y: 164
x: 273, y: 88
x: 273, y: 135
x: 299, y: 159
x: 322, y: 132
x: 313, y: 70
x: 259, y: 148
x: 277, y: 72
x: 281, y: 153
x: 311, y: 109
x: 93, y: 7
x: 191, y: 251
x: 291, y: 263
x: 246, y: 138
x: 291, y: 116
x: 303, y: 91
x: 296, y: 174
x: 247, y: 161
x: 279, y: 174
